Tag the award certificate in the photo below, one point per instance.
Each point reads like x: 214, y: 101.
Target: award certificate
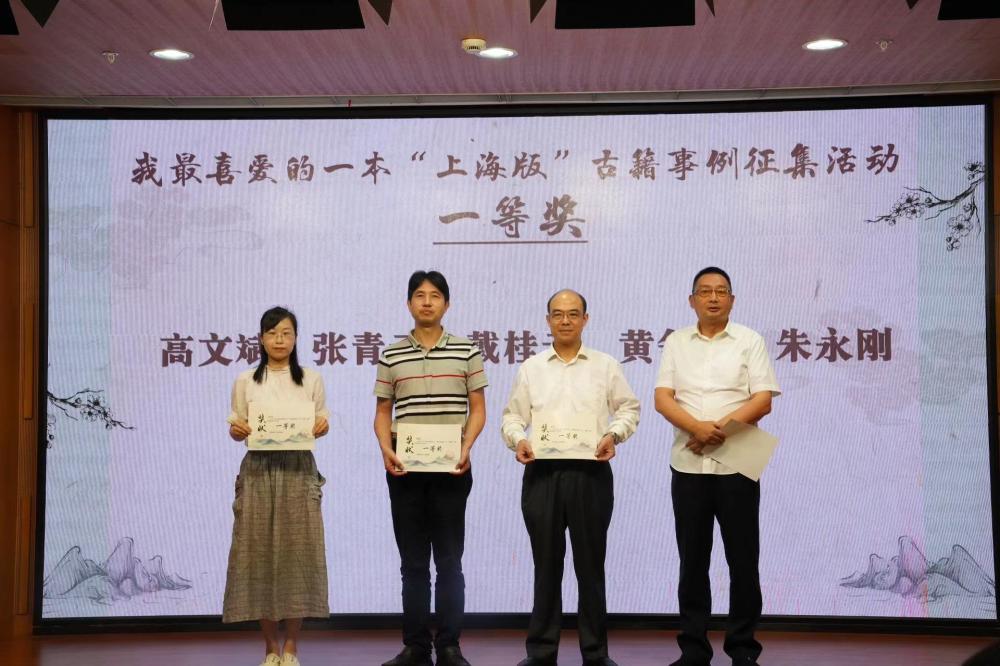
x: 564, y: 435
x: 424, y: 447
x: 281, y: 426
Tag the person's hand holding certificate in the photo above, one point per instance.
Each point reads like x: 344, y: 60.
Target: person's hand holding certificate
x: 747, y: 449
x: 281, y: 426
x: 423, y: 447
x: 564, y: 435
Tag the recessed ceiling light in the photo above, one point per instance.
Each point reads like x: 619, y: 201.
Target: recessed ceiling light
x: 171, y: 54
x: 825, y: 44
x: 497, y: 53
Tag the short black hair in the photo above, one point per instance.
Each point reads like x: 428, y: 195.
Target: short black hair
x: 711, y: 270
x: 435, y: 278
x: 548, y: 305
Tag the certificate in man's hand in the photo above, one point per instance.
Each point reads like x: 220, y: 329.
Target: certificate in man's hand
x: 564, y: 435
x: 281, y: 426
x: 747, y: 449
x: 423, y: 447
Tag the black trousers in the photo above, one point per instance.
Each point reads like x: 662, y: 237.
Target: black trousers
x: 733, y: 500
x: 428, y: 515
x: 578, y: 495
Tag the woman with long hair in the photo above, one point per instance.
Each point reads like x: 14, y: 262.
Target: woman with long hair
x: 277, y: 562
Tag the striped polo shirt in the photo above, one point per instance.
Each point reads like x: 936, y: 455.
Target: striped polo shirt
x: 430, y: 386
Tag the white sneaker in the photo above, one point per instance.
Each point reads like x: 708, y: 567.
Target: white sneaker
x: 289, y: 660
x: 271, y: 660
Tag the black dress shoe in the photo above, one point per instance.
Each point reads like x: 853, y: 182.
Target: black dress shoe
x: 687, y: 662
x: 411, y: 656
x: 451, y: 656
x: 532, y: 661
x: 604, y: 661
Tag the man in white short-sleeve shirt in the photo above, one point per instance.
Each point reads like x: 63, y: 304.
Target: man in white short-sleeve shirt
x: 711, y: 373
x: 574, y: 495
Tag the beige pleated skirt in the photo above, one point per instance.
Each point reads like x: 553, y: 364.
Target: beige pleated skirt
x: 277, y: 561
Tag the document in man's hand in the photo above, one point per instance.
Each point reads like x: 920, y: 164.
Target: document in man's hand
x: 564, y: 435
x: 747, y: 449
x: 424, y: 447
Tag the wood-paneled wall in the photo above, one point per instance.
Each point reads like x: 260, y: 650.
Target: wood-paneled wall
x: 19, y: 290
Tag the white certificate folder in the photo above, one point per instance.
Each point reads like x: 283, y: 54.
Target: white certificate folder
x: 564, y: 435
x: 424, y: 447
x: 747, y: 449
x: 281, y: 426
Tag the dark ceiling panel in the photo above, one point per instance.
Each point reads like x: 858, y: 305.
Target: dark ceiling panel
x: 41, y: 9
x: 535, y: 6
x: 383, y: 8
x: 601, y: 14
x: 957, y: 10
x: 292, y: 15
x: 8, y: 26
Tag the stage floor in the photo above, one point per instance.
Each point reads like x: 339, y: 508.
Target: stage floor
x: 481, y: 647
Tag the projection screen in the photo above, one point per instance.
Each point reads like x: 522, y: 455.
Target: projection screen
x: 857, y: 244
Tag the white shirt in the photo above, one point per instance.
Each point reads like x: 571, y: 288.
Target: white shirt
x: 591, y: 382
x: 712, y: 377
x: 277, y: 385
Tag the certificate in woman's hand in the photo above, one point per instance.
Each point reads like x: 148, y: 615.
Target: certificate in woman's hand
x: 281, y: 426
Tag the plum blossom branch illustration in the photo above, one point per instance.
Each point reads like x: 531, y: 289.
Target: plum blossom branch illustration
x: 920, y: 202
x: 87, y: 404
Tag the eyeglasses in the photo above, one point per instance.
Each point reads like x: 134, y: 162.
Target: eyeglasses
x: 572, y: 315
x: 278, y: 335
x: 706, y: 292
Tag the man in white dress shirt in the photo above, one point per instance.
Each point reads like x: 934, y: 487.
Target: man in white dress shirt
x: 711, y: 373
x: 569, y: 378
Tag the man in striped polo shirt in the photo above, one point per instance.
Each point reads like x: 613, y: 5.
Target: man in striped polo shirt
x: 431, y: 377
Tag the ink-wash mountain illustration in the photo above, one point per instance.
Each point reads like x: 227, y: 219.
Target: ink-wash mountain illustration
x: 446, y: 460
x: 288, y: 437
x: 121, y: 576
x: 563, y: 441
x: 909, y: 574
x: 569, y: 447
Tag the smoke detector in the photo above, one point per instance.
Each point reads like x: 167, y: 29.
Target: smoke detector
x: 477, y: 46
x: 473, y: 45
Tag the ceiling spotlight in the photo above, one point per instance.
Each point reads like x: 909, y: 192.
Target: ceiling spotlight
x: 497, y: 53
x: 825, y: 44
x: 171, y: 54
